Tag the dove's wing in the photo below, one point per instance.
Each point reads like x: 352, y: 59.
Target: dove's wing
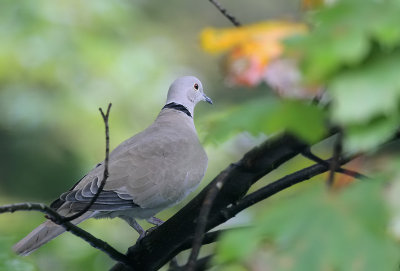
x: 154, y: 169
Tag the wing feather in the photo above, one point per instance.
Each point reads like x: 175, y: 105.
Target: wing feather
x: 153, y: 169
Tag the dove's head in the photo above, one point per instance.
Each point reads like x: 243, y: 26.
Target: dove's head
x: 187, y: 91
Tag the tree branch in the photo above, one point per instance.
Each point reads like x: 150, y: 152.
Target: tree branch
x: 279, y: 185
x: 224, y: 12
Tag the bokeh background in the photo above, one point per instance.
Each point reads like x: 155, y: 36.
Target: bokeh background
x: 62, y: 60
x: 323, y: 64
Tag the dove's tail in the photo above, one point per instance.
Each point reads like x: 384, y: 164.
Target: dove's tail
x: 43, y: 234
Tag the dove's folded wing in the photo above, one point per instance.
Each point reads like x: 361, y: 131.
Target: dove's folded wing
x: 144, y: 173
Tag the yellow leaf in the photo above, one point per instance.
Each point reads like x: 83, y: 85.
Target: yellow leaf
x: 266, y: 33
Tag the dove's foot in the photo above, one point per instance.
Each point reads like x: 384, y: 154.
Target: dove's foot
x: 155, y: 221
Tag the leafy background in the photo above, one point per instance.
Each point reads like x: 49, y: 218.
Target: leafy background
x: 60, y: 61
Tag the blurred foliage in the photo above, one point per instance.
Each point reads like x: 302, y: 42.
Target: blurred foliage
x: 353, y: 50
x: 269, y: 115
x: 9, y: 261
x: 348, y: 60
x: 355, y: 61
x: 254, y: 54
x: 317, y: 230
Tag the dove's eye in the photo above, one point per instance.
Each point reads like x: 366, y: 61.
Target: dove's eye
x: 196, y: 86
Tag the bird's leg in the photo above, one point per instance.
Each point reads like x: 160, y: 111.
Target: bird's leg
x: 155, y: 221
x: 133, y: 223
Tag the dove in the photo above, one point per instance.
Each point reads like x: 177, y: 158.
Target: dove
x: 153, y: 170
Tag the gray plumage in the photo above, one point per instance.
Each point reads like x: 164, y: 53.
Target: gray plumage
x: 149, y: 172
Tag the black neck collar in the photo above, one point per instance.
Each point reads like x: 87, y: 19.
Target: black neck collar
x: 178, y: 107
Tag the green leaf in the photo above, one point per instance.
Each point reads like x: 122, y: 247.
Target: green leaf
x: 269, y: 116
x: 304, y: 120
x: 368, y: 136
x: 343, y: 34
x: 361, y: 94
x: 324, y: 231
x: 250, y: 116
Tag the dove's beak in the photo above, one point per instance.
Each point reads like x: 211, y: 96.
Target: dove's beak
x: 207, y: 99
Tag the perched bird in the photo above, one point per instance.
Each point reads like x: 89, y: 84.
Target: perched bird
x: 149, y: 172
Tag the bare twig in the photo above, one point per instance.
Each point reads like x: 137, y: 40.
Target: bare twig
x: 68, y: 226
x: 202, y: 221
x: 337, y: 151
x: 225, y: 13
x: 308, y: 154
x: 279, y: 185
x: 105, y: 172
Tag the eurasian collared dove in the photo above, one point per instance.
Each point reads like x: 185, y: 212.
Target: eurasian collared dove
x: 149, y: 172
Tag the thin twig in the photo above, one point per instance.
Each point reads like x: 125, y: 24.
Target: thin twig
x: 279, y: 185
x: 225, y: 13
x: 308, y: 154
x: 202, y: 221
x: 68, y: 226
x: 337, y: 151
x: 105, y: 172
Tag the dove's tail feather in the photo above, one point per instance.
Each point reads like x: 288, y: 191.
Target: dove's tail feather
x: 43, y: 234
